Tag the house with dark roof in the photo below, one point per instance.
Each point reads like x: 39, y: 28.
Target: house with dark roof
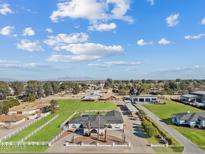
x: 195, y: 119
x: 97, y: 123
x: 196, y: 98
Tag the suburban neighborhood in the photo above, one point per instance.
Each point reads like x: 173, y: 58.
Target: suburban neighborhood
x: 102, y: 76
x: 97, y: 116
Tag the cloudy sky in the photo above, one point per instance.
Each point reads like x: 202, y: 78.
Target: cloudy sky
x: 97, y: 39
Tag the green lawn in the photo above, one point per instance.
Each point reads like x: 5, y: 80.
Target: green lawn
x: 29, y: 129
x: 66, y: 108
x: 166, y: 111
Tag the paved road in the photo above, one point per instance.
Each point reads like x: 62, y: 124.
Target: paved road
x: 189, y: 147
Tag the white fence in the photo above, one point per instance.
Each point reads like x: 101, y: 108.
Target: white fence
x: 39, y: 128
x: 56, y: 137
x: 97, y: 145
x: 63, y: 124
x: 18, y: 144
x: 159, y: 145
x: 18, y: 130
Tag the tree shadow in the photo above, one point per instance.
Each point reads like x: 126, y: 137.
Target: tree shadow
x: 139, y: 131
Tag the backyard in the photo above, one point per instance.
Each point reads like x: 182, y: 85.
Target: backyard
x: 166, y: 111
x: 66, y: 108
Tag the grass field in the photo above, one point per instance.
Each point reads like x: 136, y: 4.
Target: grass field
x: 66, y: 108
x: 166, y: 111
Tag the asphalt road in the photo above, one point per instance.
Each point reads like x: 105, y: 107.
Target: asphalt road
x: 189, y: 147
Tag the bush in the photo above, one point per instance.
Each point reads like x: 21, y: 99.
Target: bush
x: 178, y: 149
x: 152, y: 129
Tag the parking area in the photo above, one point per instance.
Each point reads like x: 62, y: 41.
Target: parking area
x: 134, y: 135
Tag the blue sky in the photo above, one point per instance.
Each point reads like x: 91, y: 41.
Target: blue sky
x: 97, y: 39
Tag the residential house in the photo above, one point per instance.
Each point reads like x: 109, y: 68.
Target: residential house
x: 97, y: 123
x: 196, y: 98
x: 196, y: 119
x: 11, y: 120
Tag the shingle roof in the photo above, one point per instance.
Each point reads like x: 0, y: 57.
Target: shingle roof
x: 198, y: 92
x: 189, y: 96
x: 190, y: 116
x: 94, y: 120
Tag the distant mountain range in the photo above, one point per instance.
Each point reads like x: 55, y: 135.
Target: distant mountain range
x: 54, y: 79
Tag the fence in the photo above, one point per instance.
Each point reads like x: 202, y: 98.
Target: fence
x: 63, y: 124
x: 97, y: 145
x: 39, y: 128
x: 19, y: 144
x: 87, y: 111
x: 56, y: 137
x: 18, y: 130
x: 159, y: 145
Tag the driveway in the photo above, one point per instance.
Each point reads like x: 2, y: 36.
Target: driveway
x: 134, y: 136
x: 189, y: 147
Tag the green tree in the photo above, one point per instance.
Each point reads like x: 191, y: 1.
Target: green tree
x: 76, y: 89
x: 4, y: 90
x: 17, y: 87
x: 53, y: 106
x: 48, y: 89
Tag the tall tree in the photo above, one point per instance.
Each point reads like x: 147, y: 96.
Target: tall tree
x: 53, y: 106
x: 17, y: 87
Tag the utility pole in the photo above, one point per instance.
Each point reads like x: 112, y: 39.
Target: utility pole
x: 98, y: 125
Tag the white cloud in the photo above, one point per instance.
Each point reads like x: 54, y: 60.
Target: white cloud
x: 102, y: 27
x: 7, y: 30
x: 203, y: 21
x: 30, y: 46
x: 91, y: 49
x: 64, y: 39
x: 85, y: 52
x: 194, y: 37
x: 92, y: 10
x: 49, y: 30
x: 164, y: 41
x: 5, y: 9
x: 115, y: 63
x: 172, y: 20
x: 28, y: 31
x: 151, y: 2
x: 142, y: 42
x: 71, y: 58
x: 19, y: 65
